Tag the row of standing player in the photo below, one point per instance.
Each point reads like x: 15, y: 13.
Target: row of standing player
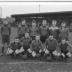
x: 44, y: 31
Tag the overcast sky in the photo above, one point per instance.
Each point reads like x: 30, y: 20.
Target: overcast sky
x: 35, y: 0
x: 6, y: 9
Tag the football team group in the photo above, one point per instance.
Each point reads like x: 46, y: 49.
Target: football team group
x: 37, y: 41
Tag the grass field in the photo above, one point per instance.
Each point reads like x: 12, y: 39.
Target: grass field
x: 34, y: 66
x: 17, y: 65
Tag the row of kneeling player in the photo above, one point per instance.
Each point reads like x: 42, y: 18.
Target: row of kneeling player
x: 35, y: 48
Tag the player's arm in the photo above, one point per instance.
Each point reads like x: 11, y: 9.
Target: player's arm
x: 39, y: 29
x: 69, y: 43
x: 19, y: 29
x: 10, y: 50
x: 46, y: 43
x: 31, y: 48
x: 1, y: 30
x: 40, y: 47
x: 58, y: 31
x: 46, y: 47
x: 9, y: 30
x: 48, y: 31
x: 10, y: 45
x: 67, y: 31
x: 57, y: 45
x: 30, y: 41
x: 21, y: 48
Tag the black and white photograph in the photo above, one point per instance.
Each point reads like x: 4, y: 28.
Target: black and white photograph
x: 35, y: 36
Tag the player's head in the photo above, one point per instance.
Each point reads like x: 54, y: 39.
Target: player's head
x: 63, y: 40
x: 5, y: 22
x: 23, y: 22
x: 33, y: 23
x: 44, y: 22
x: 26, y: 35
x: 13, y: 19
x: 51, y: 37
x: 54, y: 22
x: 17, y: 40
x: 47, y: 24
x: 19, y: 25
x: 63, y: 24
x: 37, y: 37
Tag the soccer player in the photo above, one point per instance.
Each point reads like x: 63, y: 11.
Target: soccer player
x: 64, y: 31
x: 44, y: 31
x: 64, y: 49
x: 36, y: 47
x: 22, y: 29
x: 5, y: 33
x: 26, y: 44
x: 33, y: 30
x: 51, y: 46
x: 15, y: 48
x: 54, y: 30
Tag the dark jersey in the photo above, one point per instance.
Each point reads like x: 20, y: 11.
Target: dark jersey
x: 5, y: 30
x: 36, y: 45
x: 64, y: 33
x: 23, y: 29
x: 52, y: 44
x: 34, y: 31
x: 15, y: 46
x: 44, y: 31
x: 55, y: 31
x: 63, y: 47
x: 26, y: 42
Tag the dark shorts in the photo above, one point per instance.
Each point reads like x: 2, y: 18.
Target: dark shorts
x: 37, y: 51
x: 21, y: 35
x: 25, y: 52
x: 51, y: 51
x: 60, y: 38
x: 26, y: 47
x: 65, y: 52
x: 43, y: 38
x: 33, y: 37
x: 5, y: 39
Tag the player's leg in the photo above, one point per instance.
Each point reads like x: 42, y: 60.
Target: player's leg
x: 63, y: 55
x: 25, y: 53
x: 68, y: 54
x: 7, y: 42
x: 43, y: 38
x: 3, y: 44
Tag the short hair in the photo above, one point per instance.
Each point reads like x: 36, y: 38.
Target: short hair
x: 37, y: 36
x: 23, y: 20
x: 44, y: 20
x: 54, y: 20
x: 63, y: 22
x: 63, y: 39
x: 33, y: 21
x: 16, y: 37
x: 51, y: 34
